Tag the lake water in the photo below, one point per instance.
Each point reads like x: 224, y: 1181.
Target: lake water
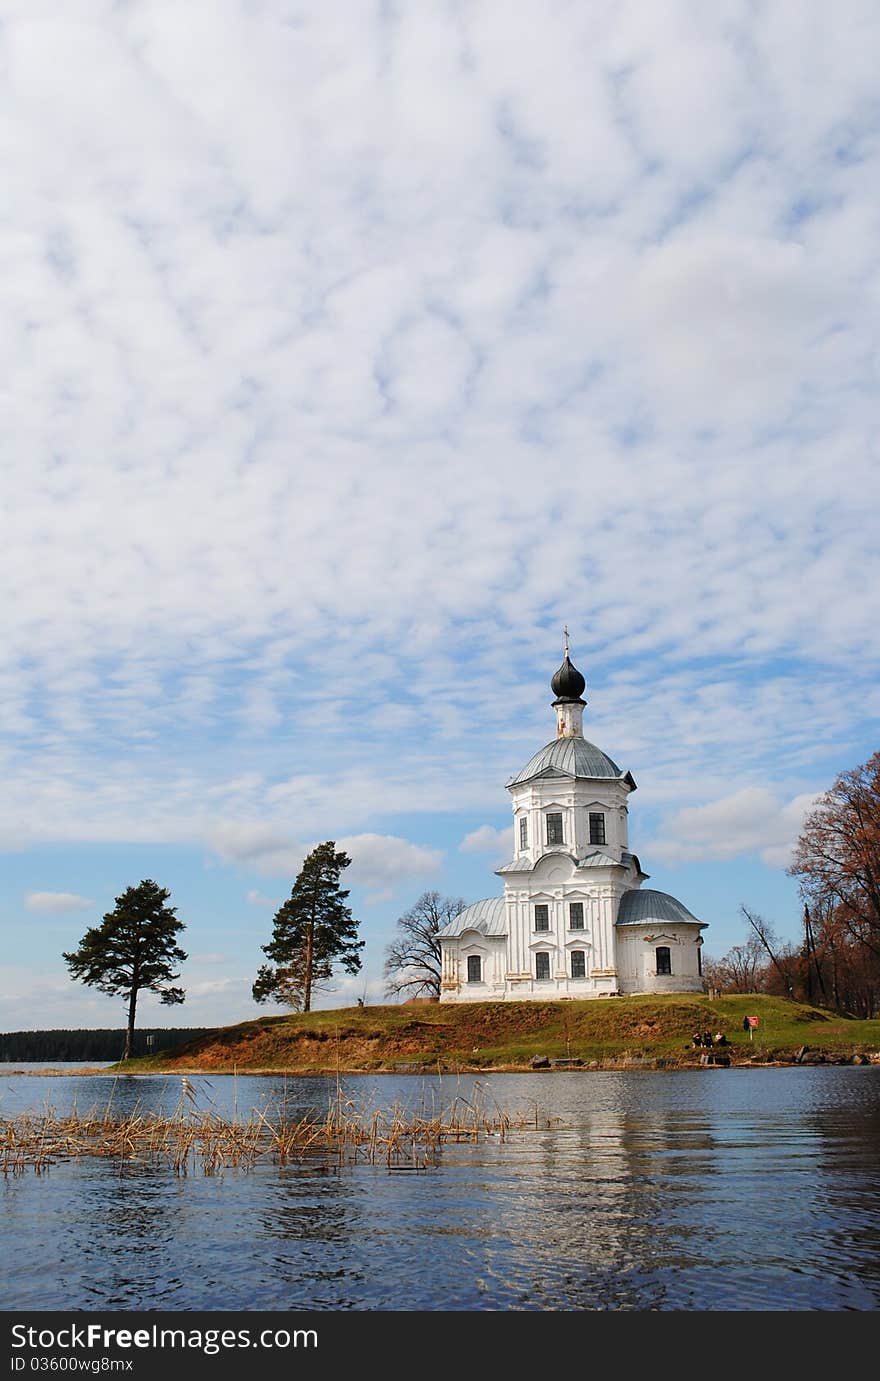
x: 727, y: 1189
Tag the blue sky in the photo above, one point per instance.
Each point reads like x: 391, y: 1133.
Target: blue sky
x: 350, y: 351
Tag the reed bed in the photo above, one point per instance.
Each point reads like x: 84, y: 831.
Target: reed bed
x: 191, y: 1140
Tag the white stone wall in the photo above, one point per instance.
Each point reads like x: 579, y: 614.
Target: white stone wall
x: 618, y: 960
x: 454, y: 985
x: 574, y: 799
x: 636, y: 957
x: 554, y: 883
x: 569, y: 720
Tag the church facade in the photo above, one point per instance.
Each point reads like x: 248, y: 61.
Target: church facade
x: 574, y: 919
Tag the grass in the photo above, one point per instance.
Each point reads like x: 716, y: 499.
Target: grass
x: 507, y: 1035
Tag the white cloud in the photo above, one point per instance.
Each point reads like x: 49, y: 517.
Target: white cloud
x: 487, y: 840
x: 32, y: 1000
x: 257, y: 846
x: 741, y: 320
x: 380, y: 862
x: 258, y: 898
x: 209, y: 1002
x: 348, y: 988
x: 751, y: 820
x: 57, y: 902
x: 401, y: 341
x: 221, y: 341
x: 208, y: 987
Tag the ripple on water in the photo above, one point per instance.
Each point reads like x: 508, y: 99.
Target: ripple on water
x: 742, y: 1190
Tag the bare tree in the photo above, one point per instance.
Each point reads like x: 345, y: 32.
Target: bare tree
x: 838, y: 854
x: 737, y: 971
x: 769, y: 941
x: 412, y: 961
x: 847, y: 971
x: 812, y: 965
x: 716, y: 974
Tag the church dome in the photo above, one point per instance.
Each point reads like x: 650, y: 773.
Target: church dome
x: 644, y: 906
x: 568, y: 757
x: 488, y: 917
x: 568, y: 684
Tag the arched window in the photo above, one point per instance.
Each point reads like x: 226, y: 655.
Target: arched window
x: 664, y: 959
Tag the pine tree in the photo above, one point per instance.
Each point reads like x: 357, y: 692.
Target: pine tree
x: 311, y: 931
x: 133, y: 950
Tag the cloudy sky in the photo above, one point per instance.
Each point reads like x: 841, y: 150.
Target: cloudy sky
x: 350, y: 350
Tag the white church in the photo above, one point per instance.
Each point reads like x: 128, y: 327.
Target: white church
x: 574, y: 920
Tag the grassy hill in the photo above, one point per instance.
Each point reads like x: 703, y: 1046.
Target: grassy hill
x: 507, y: 1035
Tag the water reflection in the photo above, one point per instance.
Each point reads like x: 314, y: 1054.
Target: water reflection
x: 841, y: 1198
x: 729, y: 1189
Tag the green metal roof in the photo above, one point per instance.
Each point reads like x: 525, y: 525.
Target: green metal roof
x: 644, y: 906
x: 569, y: 757
x: 599, y: 859
x: 489, y: 917
x: 596, y: 858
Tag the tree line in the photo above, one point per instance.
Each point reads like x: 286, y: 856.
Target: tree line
x: 101, y: 1045
x: 836, y: 964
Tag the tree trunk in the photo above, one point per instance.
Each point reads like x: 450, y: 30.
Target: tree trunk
x: 835, y: 987
x: 129, y: 1034
x: 812, y: 958
x: 310, y: 949
x: 307, y: 976
x: 808, y: 972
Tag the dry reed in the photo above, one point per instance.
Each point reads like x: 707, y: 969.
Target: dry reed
x: 191, y: 1140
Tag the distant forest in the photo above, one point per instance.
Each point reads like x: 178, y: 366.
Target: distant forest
x: 89, y: 1045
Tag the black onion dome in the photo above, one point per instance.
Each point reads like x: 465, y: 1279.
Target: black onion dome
x: 568, y: 684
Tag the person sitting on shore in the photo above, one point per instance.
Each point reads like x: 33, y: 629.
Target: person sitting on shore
x: 719, y: 1038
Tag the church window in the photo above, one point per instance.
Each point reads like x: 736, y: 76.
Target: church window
x: 542, y: 965
x: 576, y: 915
x: 700, y: 960
x: 578, y: 964
x: 664, y: 959
x: 597, y: 827
x: 475, y: 967
x: 523, y: 832
x: 542, y: 916
x: 554, y: 829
